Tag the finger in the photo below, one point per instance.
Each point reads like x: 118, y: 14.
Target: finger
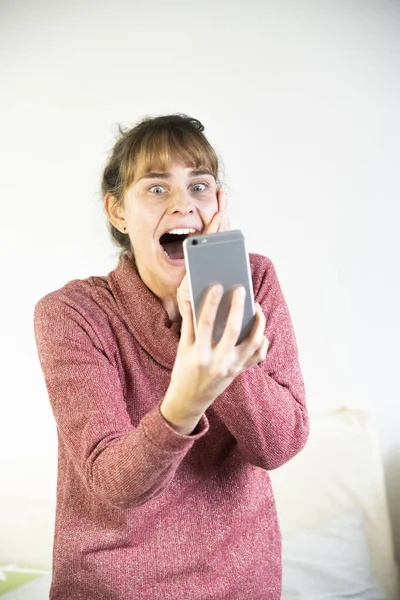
x: 264, y: 348
x: 205, y: 325
x: 259, y: 356
x: 214, y: 224
x: 252, y: 343
x: 234, y: 322
x: 183, y: 293
x: 222, y: 199
x: 222, y: 207
x: 187, y: 329
x: 225, y: 224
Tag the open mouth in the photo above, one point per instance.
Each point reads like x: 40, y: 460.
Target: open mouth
x: 172, y: 242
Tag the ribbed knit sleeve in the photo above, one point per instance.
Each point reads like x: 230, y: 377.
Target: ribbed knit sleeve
x: 122, y: 465
x: 264, y: 408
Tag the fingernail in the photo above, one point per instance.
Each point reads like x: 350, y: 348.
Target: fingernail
x: 217, y: 291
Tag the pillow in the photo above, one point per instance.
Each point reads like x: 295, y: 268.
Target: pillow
x: 340, y: 471
x: 331, y: 562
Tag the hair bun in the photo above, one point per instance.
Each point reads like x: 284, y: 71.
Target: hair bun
x: 196, y: 124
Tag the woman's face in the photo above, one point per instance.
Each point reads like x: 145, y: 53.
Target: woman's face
x: 159, y: 210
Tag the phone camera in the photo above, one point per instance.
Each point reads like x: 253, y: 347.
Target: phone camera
x: 194, y: 242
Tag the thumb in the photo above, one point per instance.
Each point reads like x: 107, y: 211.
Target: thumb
x: 187, y: 329
x: 183, y: 293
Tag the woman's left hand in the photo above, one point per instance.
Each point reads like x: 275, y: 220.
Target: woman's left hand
x: 219, y: 222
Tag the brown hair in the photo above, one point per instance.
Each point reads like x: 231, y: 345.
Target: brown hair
x: 152, y: 145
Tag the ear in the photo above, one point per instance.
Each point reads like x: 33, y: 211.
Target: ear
x: 115, y: 211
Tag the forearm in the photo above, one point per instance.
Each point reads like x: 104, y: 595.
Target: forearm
x: 122, y: 465
x: 268, y: 420
x: 131, y: 470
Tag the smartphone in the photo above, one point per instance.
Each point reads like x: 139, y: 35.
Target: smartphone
x: 219, y: 258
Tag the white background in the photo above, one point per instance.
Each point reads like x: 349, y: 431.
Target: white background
x: 301, y: 99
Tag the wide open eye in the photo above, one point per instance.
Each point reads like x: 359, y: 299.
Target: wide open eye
x: 157, y: 189
x: 199, y: 187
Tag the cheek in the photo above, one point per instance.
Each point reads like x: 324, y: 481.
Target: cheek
x: 209, y: 208
x: 141, y: 218
x: 143, y: 221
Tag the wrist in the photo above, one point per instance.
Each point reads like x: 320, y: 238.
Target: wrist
x: 178, y: 417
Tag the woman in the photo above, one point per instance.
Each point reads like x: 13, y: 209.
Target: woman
x: 165, y: 440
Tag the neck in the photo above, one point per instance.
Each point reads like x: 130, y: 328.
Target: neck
x: 167, y: 296
x: 171, y: 306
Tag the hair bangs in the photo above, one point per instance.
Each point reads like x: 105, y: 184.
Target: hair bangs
x: 157, y: 150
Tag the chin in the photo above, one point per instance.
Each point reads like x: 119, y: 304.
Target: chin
x: 175, y: 279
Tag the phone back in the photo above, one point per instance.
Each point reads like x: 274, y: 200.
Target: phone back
x: 219, y: 258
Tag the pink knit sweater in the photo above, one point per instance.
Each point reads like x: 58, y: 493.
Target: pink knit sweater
x: 144, y: 512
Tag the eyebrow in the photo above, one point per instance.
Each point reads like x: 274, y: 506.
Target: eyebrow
x: 193, y: 173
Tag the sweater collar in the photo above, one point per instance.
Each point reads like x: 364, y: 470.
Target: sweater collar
x: 144, y: 314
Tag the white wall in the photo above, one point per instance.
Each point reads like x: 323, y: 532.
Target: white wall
x: 300, y: 98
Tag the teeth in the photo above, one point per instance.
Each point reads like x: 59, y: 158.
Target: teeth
x: 182, y: 231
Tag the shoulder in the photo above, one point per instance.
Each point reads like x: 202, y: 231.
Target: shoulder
x: 78, y: 293
x: 80, y: 303
x: 266, y: 287
x: 259, y: 263
x: 262, y: 271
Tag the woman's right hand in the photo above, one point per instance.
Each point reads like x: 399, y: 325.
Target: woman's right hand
x: 203, y: 369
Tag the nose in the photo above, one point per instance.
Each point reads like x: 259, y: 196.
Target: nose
x: 181, y: 202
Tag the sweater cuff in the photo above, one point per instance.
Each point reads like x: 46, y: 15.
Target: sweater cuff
x: 162, y: 435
